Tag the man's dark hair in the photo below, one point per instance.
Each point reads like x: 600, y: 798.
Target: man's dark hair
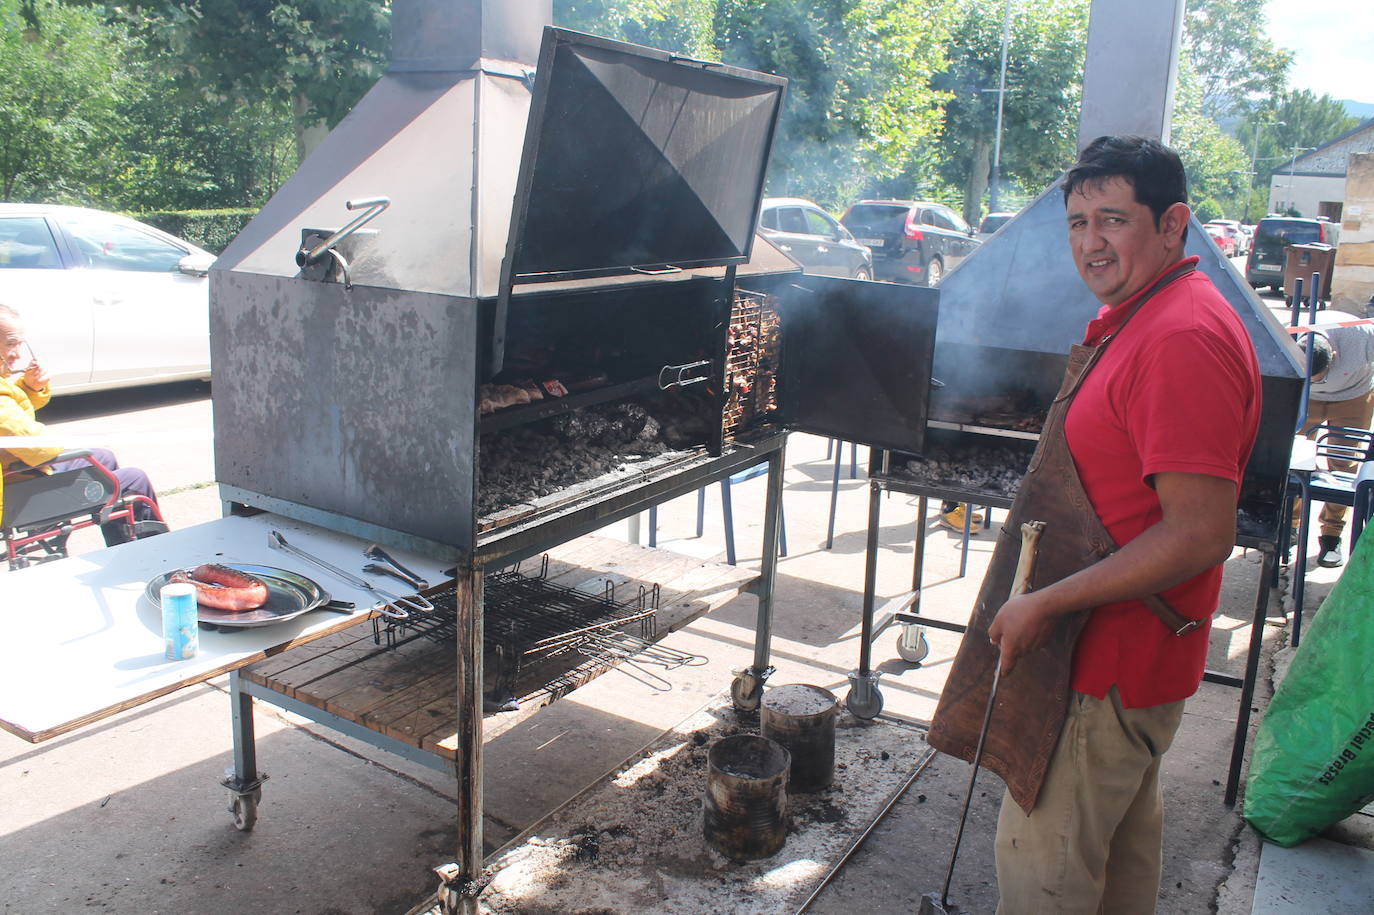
x: 1153, y: 169
x: 1322, y: 353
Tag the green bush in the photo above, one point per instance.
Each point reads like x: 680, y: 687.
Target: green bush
x: 1207, y: 209
x: 210, y: 229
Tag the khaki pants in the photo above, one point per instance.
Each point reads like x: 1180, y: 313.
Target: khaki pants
x: 1355, y: 412
x: 1093, y: 844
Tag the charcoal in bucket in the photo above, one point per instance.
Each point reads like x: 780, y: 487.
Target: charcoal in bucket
x: 802, y: 718
x: 746, y: 797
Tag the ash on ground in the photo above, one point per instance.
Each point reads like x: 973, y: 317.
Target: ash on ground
x: 972, y: 465
x: 635, y: 843
x: 525, y: 463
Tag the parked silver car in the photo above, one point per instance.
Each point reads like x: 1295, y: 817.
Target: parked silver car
x: 813, y: 238
x: 107, y: 301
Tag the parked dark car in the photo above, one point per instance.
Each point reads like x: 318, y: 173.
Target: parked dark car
x: 1264, y: 266
x: 812, y: 238
x: 912, y: 241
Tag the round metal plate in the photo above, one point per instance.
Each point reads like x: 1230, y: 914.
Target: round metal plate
x: 288, y: 596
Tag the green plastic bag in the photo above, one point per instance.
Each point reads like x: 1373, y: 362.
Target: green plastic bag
x: 1313, y: 763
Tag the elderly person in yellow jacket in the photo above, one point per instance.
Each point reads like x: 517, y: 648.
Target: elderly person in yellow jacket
x: 24, y: 388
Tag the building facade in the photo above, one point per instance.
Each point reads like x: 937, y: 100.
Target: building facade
x: 1314, y: 184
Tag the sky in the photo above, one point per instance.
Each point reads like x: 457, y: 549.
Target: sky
x: 1332, y: 42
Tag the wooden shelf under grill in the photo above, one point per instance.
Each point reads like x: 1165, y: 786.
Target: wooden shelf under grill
x: 408, y: 692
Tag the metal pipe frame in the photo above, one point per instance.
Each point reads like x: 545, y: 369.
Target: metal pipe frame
x: 1247, y: 686
x: 462, y: 880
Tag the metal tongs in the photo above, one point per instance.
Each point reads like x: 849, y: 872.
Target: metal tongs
x: 390, y: 605
x: 396, y: 570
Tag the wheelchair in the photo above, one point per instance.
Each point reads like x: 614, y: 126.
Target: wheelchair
x: 41, y: 511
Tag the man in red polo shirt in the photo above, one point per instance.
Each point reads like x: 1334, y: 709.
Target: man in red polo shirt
x: 1160, y: 432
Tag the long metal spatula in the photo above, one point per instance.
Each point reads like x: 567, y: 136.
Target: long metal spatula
x: 1025, y: 565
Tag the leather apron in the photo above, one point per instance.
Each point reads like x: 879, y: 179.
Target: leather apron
x: 1032, y: 705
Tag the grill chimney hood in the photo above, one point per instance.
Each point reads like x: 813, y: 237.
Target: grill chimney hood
x: 439, y: 134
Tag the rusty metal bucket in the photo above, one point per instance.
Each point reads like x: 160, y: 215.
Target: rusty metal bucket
x: 746, y: 797
x: 801, y: 718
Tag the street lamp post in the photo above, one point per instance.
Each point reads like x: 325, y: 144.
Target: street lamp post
x: 1254, y: 160
x: 1293, y: 167
x: 1001, y: 99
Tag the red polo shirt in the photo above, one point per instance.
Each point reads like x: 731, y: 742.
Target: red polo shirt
x: 1177, y: 391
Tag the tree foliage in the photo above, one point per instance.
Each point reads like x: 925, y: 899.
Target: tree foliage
x: 313, y: 57
x: 1040, y: 113
x: 685, y: 26
x: 1237, y: 65
x: 859, y: 102
x: 60, y: 88
x: 1216, y: 165
x: 1285, y: 126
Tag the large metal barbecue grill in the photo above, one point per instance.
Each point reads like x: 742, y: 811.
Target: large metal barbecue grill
x: 1008, y: 316
x: 605, y: 252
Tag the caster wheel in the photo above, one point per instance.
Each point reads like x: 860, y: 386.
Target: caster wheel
x: 912, y: 650
x: 744, y: 699
x: 244, y: 807
x: 865, y: 709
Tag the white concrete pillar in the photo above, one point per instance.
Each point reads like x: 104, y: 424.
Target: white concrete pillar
x: 1131, y: 67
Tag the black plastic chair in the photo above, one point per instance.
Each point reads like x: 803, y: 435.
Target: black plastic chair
x: 1341, y: 443
x: 41, y: 511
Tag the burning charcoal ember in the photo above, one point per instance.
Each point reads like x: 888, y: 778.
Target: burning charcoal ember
x: 529, y: 462
x: 973, y: 464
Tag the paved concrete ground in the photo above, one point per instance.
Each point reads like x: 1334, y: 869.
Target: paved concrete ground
x: 127, y: 815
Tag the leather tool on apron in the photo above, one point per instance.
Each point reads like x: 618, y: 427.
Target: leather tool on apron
x: 1030, y: 717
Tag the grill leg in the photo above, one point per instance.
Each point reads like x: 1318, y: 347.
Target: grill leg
x: 919, y: 561
x: 963, y: 546
x: 243, y: 781
x: 1247, y: 689
x: 747, y: 688
x: 864, y: 700
x: 459, y: 889
x: 834, y: 498
x: 727, y: 508
x: 1297, y: 572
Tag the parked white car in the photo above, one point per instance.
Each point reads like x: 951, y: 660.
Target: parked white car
x: 106, y: 301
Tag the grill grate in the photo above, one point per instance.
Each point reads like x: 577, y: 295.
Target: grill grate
x: 754, y: 345
x: 529, y: 620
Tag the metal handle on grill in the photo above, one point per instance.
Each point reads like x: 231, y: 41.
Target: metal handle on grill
x: 675, y: 376
x: 373, y: 207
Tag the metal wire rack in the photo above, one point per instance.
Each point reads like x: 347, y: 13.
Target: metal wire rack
x: 529, y: 620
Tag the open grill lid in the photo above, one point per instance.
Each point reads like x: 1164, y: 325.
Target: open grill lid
x: 636, y: 158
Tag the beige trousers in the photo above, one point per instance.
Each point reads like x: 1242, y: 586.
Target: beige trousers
x: 1356, y: 413
x: 1094, y: 842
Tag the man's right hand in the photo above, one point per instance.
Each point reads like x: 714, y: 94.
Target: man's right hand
x: 1024, y: 623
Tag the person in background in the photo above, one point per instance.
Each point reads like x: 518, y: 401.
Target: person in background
x: 24, y: 389
x: 952, y: 516
x: 1342, y: 394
